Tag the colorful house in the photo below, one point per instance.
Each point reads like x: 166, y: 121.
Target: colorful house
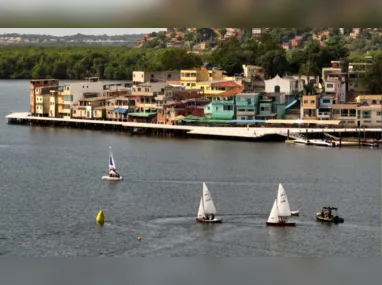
x: 246, y: 106
x: 220, y: 110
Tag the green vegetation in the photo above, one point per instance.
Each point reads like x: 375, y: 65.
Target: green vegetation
x: 79, y: 62
x: 111, y: 62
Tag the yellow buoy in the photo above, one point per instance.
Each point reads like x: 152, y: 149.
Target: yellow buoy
x: 100, y: 218
x: 139, y: 238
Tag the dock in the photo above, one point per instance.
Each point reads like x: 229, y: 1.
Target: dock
x: 239, y: 132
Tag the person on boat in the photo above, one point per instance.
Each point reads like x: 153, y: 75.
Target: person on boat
x: 212, y: 217
x: 330, y: 213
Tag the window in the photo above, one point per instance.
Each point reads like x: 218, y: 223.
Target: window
x: 374, y: 102
x: 139, y: 89
x: 277, y: 89
x: 366, y: 114
x: 352, y: 113
x: 329, y: 85
x: 379, y: 113
x: 134, y: 75
x: 326, y: 101
x: 169, y: 75
x: 208, y: 108
x: 217, y: 108
x: 305, y: 101
x: 312, y: 102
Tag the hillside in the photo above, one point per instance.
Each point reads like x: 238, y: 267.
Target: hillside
x: 78, y: 39
x: 205, y: 39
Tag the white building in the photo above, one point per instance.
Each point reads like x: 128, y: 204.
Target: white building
x: 281, y: 85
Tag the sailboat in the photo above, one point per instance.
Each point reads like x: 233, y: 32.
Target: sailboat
x: 207, y: 208
x: 113, y: 174
x: 293, y: 213
x: 280, y: 210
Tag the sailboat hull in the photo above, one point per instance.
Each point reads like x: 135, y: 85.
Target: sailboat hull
x: 214, y: 221
x: 295, y: 213
x: 281, y: 224
x: 112, y: 178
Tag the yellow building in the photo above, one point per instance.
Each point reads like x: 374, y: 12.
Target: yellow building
x: 42, y: 96
x: 370, y: 99
x: 53, y: 104
x: 190, y: 77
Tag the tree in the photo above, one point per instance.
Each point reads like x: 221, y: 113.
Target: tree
x: 223, y: 32
x: 189, y: 37
x: 373, y: 79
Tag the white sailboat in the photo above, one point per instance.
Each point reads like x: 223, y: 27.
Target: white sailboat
x: 282, y: 190
x: 280, y: 210
x: 113, y: 174
x: 207, y: 210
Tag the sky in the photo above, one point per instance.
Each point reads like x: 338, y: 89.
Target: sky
x: 73, y: 31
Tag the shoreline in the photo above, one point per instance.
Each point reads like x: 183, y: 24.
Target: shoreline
x: 254, y: 134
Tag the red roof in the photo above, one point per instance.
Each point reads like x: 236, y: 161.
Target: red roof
x: 175, y: 82
x: 226, y: 84
x: 232, y: 92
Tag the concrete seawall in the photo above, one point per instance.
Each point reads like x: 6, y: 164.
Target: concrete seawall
x: 237, y: 133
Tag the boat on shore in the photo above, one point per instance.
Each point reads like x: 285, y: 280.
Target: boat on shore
x: 207, y: 210
x: 327, y: 216
x: 280, y: 211
x: 113, y: 174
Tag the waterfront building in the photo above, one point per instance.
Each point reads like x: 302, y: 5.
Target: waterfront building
x: 145, y: 96
x: 220, y: 110
x: 309, y: 105
x: 118, y: 108
x: 73, y: 92
x: 90, y: 108
x: 246, y: 106
x: 365, y: 111
x: 43, y: 100
x: 271, y: 106
x: 35, y: 89
x: 177, y: 110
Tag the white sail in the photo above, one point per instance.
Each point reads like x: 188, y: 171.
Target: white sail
x: 274, y: 215
x: 208, y: 204
x: 111, y: 161
x: 282, y: 202
x: 201, y: 210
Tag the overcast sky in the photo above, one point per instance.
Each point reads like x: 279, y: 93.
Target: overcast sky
x: 73, y: 31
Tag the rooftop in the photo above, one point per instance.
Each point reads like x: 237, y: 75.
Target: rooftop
x: 95, y: 99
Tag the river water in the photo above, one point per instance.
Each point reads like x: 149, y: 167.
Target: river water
x: 51, y: 191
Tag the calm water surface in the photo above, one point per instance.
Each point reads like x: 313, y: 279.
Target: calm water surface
x: 51, y: 191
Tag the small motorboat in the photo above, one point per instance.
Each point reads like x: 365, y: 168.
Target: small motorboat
x: 295, y: 213
x: 302, y: 141
x: 327, y: 216
x: 324, y: 143
x: 207, y: 210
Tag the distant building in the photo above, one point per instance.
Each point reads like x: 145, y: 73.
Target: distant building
x: 155, y: 76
